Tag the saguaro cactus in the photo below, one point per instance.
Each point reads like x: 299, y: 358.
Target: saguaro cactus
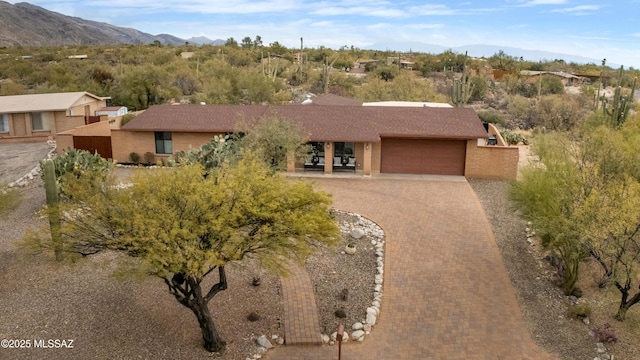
x: 462, y: 88
x: 51, y: 189
x: 619, y: 110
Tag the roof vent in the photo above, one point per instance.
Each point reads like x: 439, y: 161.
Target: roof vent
x: 307, y: 100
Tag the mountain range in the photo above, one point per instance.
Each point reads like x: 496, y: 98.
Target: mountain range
x: 24, y: 24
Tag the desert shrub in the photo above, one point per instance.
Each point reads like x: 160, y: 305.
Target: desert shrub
x: 523, y: 112
x: 126, y: 118
x: 513, y: 138
x: 605, y: 334
x: 551, y: 84
x: 9, y: 199
x: 579, y: 311
x: 149, y: 158
x: 134, y: 158
x: 491, y: 116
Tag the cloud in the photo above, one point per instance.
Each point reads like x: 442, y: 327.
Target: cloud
x: 358, y: 10
x: 578, y: 10
x: 423, y: 26
x: 428, y: 9
x: 544, y: 2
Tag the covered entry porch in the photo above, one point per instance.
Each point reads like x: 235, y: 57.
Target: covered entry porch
x: 335, y: 156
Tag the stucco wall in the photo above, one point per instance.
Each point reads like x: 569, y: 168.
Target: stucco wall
x: 125, y: 142
x: 181, y: 141
x: 491, y: 162
x: 376, y: 149
x: 93, y: 104
x: 65, y: 123
x: 63, y: 142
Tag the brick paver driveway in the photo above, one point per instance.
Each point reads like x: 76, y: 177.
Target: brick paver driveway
x: 446, y: 291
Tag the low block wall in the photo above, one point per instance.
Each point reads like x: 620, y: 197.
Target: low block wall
x: 491, y: 162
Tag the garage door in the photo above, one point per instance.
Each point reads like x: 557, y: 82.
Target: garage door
x: 423, y: 156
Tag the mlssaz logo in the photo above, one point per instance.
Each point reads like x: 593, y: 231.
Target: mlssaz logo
x: 53, y: 344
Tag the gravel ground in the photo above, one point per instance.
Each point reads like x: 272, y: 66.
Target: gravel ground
x: 16, y: 160
x: 332, y: 272
x: 543, y: 304
x: 115, y: 318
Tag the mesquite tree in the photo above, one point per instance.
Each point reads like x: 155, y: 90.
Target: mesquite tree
x: 187, y: 226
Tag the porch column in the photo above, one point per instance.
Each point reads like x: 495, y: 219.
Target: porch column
x: 291, y: 162
x: 366, y: 161
x: 328, y: 158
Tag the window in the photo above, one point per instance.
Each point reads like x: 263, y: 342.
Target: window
x: 4, y: 123
x: 163, y: 142
x: 344, y: 149
x: 40, y: 121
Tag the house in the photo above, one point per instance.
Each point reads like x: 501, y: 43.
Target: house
x: 112, y: 111
x: 186, y: 55
x: 43, y: 116
x: 566, y: 78
x: 364, y: 139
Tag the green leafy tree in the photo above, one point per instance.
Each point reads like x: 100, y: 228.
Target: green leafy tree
x: 584, y: 200
x: 184, y: 226
x: 246, y: 43
x: 274, y: 140
x: 231, y: 42
x: 502, y: 61
x: 549, y: 196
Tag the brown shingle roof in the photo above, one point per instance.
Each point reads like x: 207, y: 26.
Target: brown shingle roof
x: 322, y: 123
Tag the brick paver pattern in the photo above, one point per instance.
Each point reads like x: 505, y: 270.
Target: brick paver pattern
x: 446, y: 291
x: 301, y: 322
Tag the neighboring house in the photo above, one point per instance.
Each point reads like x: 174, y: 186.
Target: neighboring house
x: 43, y: 116
x: 330, y: 99
x: 408, y: 104
x: 112, y: 111
x: 186, y: 55
x: 367, y: 140
x: 566, y: 78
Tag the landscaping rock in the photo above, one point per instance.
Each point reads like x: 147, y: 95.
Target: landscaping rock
x: 356, y: 233
x: 264, y: 342
x: 357, y: 334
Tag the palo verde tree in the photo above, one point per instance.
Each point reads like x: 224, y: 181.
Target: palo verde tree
x: 275, y: 140
x: 548, y: 196
x: 584, y: 199
x: 185, y: 226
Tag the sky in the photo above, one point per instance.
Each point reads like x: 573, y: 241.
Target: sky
x: 594, y: 29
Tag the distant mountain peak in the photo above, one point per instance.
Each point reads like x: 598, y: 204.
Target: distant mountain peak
x: 203, y: 40
x: 482, y: 50
x: 25, y: 24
